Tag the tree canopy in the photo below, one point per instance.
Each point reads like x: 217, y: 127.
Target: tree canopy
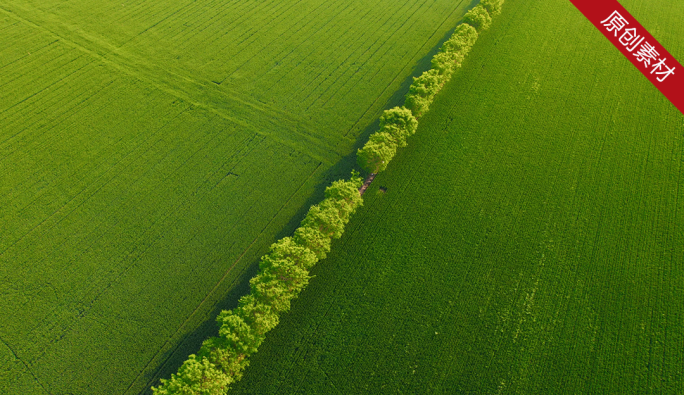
x: 479, y: 18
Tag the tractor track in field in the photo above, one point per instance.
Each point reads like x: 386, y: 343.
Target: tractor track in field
x: 298, y: 131
x: 28, y: 368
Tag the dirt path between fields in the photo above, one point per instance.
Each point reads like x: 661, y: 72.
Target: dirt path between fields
x: 367, y: 183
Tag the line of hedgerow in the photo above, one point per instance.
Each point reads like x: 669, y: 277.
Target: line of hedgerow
x: 398, y: 123
x: 284, y: 271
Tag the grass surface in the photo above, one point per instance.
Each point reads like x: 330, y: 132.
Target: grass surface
x: 529, y: 240
x: 151, y: 151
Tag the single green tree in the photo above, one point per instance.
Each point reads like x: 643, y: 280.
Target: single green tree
x: 377, y: 153
x: 463, y: 38
x: 400, y: 123
x: 278, y: 282
x: 314, y: 240
x: 259, y: 316
x: 239, y: 335
x: 345, y: 207
x: 347, y: 190
x: 479, y: 18
x: 445, y: 63
x: 287, y: 248
x: 422, y: 91
x: 227, y: 360
x: 492, y: 6
x: 195, y: 377
x: 324, y: 218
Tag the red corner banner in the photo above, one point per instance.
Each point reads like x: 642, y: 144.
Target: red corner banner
x: 651, y: 58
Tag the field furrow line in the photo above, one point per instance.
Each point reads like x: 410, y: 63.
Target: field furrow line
x: 347, y: 43
x: 134, y: 255
x: 39, y: 50
x: 20, y: 73
x: 304, y: 61
x: 305, y: 24
x: 155, y: 24
x: 53, y: 100
x: 365, y: 48
x: 236, y: 24
x: 376, y: 46
x: 316, y: 146
x: 254, y: 37
x: 28, y: 368
x: 135, y: 252
x: 245, y: 23
x: 111, y: 169
x: 346, y: 83
x: 269, y: 19
x: 95, y: 182
x: 8, y: 139
x: 183, y: 35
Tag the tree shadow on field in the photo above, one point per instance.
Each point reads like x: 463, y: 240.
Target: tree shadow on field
x: 190, y: 343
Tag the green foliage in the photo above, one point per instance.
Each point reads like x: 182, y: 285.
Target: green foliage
x: 463, y: 38
x: 446, y: 62
x: 454, y: 50
x: 324, y: 218
x: 277, y: 290
x: 195, y: 377
x: 287, y: 248
x: 423, y: 90
x: 493, y: 7
x: 344, y: 197
x: 225, y: 358
x: 314, y: 240
x: 238, y: 335
x: 377, y: 153
x: 261, y: 317
x: 400, y: 123
x: 283, y: 273
x: 346, y: 190
x: 479, y: 18
x: 396, y: 125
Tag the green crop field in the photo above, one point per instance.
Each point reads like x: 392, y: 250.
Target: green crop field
x: 530, y: 239
x: 150, y: 151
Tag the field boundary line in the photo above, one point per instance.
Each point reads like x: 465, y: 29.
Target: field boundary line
x: 313, y: 147
x: 210, y: 293
x: 28, y: 368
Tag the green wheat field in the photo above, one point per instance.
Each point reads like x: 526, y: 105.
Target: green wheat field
x: 529, y: 240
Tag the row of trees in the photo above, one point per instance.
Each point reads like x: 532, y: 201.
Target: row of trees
x: 283, y: 274
x: 284, y: 271
x: 400, y: 122
x: 396, y: 125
